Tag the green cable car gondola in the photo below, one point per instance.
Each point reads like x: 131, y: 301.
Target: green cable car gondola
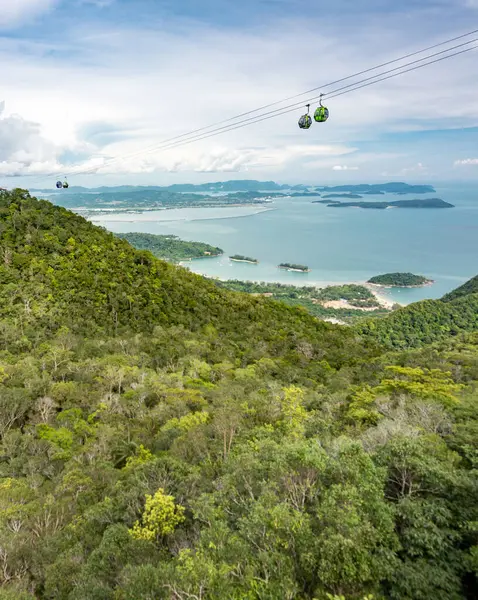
x: 321, y: 112
x: 306, y: 120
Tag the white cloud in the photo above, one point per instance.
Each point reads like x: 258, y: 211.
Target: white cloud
x: 15, y: 12
x: 467, y: 161
x: 139, y: 86
x: 344, y: 168
x: 418, y: 168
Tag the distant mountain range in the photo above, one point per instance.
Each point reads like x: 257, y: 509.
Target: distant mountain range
x: 251, y: 185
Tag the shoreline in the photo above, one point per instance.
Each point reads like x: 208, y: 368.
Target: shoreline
x: 251, y: 262
x: 294, y: 270
x: 382, y: 300
x: 428, y: 283
x: 99, y: 218
x: 190, y: 258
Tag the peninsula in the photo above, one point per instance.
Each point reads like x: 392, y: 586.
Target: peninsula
x: 294, y: 267
x: 246, y: 259
x: 170, y: 247
x: 404, y: 280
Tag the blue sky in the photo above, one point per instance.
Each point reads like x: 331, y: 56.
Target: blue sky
x: 90, y: 85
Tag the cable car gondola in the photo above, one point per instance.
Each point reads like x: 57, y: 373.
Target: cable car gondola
x: 59, y: 185
x: 321, y: 112
x: 306, y: 120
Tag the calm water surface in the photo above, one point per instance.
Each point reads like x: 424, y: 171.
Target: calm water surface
x: 339, y: 245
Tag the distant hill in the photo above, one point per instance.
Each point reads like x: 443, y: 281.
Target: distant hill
x: 470, y: 287
x: 252, y: 185
x: 427, y: 321
x: 73, y: 273
x: 381, y: 188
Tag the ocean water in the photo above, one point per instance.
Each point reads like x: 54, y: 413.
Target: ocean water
x: 338, y: 244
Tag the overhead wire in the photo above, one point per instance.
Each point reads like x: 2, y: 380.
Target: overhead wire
x: 335, y: 93
x: 179, y: 140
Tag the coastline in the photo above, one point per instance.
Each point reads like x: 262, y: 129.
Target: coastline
x: 428, y: 283
x: 251, y: 262
x: 381, y: 298
x: 190, y: 258
x: 295, y: 270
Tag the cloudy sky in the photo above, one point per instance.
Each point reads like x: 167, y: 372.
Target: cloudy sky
x: 95, y: 86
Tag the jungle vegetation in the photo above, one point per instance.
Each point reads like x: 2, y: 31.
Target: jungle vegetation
x: 162, y: 437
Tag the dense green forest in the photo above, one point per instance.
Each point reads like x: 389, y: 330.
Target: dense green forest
x: 399, y: 280
x: 312, y: 298
x: 170, y: 247
x: 164, y: 438
x: 470, y: 287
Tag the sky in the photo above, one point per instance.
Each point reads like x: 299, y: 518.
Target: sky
x: 90, y: 89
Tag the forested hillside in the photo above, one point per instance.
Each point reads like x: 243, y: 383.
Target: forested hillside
x: 423, y: 322
x: 164, y: 438
x: 470, y: 287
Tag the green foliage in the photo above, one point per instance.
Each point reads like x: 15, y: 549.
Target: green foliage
x: 161, y: 517
x: 399, y: 280
x: 313, y: 299
x: 470, y: 287
x: 423, y: 322
x: 162, y: 437
x: 240, y: 257
x: 170, y: 247
x: 294, y: 266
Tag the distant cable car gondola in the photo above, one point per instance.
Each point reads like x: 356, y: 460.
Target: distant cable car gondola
x: 321, y: 112
x: 65, y: 184
x: 59, y: 185
x: 306, y: 120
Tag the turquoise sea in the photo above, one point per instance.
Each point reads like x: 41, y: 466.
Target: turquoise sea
x: 338, y: 244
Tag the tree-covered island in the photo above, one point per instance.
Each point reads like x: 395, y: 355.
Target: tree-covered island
x: 400, y: 280
x: 241, y: 258
x: 294, y: 267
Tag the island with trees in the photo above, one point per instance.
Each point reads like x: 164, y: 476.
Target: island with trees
x: 405, y: 280
x: 416, y: 203
x: 241, y: 258
x: 170, y: 247
x: 344, y: 195
x: 397, y: 187
x: 294, y: 267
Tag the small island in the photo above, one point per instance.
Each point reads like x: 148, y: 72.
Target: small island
x: 344, y: 195
x: 405, y: 280
x: 241, y: 258
x: 294, y: 267
x: 416, y: 203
